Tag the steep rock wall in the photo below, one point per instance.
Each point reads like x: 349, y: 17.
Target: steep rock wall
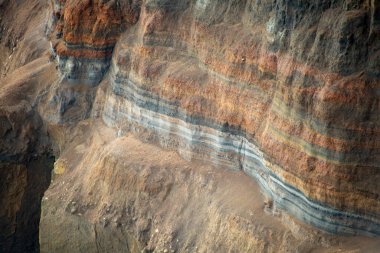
x: 25, y: 157
x: 82, y: 37
x: 83, y: 34
x: 287, y: 91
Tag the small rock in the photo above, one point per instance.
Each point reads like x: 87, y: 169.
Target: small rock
x: 116, y: 222
x: 73, y: 210
x: 268, y: 203
x: 105, y: 222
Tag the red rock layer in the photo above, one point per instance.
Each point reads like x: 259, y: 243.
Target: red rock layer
x: 300, y: 79
x: 90, y: 29
x: 312, y: 103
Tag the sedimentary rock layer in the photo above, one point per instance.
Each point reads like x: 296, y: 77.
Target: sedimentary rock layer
x: 198, y: 139
x: 292, y: 97
x: 83, y: 34
x: 286, y: 90
x: 120, y: 194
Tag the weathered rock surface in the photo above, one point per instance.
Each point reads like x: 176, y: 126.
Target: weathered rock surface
x: 131, y: 196
x: 285, y: 93
x: 21, y: 33
x: 290, y: 97
x: 25, y: 157
x: 84, y: 33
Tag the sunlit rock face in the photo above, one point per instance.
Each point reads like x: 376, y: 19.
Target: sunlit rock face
x: 286, y: 91
x: 84, y: 33
x: 163, y: 118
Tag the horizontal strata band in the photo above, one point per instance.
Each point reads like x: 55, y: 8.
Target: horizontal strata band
x: 197, y: 138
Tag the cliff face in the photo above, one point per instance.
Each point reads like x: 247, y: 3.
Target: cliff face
x: 85, y: 33
x: 285, y: 91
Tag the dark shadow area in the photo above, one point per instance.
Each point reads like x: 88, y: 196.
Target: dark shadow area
x: 22, y: 187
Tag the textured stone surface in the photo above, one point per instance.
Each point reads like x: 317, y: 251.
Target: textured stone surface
x: 83, y: 35
x: 284, y: 92
x: 250, y: 89
x: 299, y: 84
x: 131, y: 196
x: 25, y: 161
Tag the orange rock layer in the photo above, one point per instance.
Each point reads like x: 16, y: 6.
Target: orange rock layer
x: 300, y: 82
x: 95, y: 24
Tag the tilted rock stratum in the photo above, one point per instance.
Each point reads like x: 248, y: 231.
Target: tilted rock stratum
x: 291, y: 98
x: 285, y: 91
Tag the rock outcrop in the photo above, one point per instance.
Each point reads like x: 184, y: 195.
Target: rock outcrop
x: 291, y: 98
x: 132, y: 196
x: 282, y: 93
x: 25, y: 156
x: 84, y: 33
x: 25, y: 150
